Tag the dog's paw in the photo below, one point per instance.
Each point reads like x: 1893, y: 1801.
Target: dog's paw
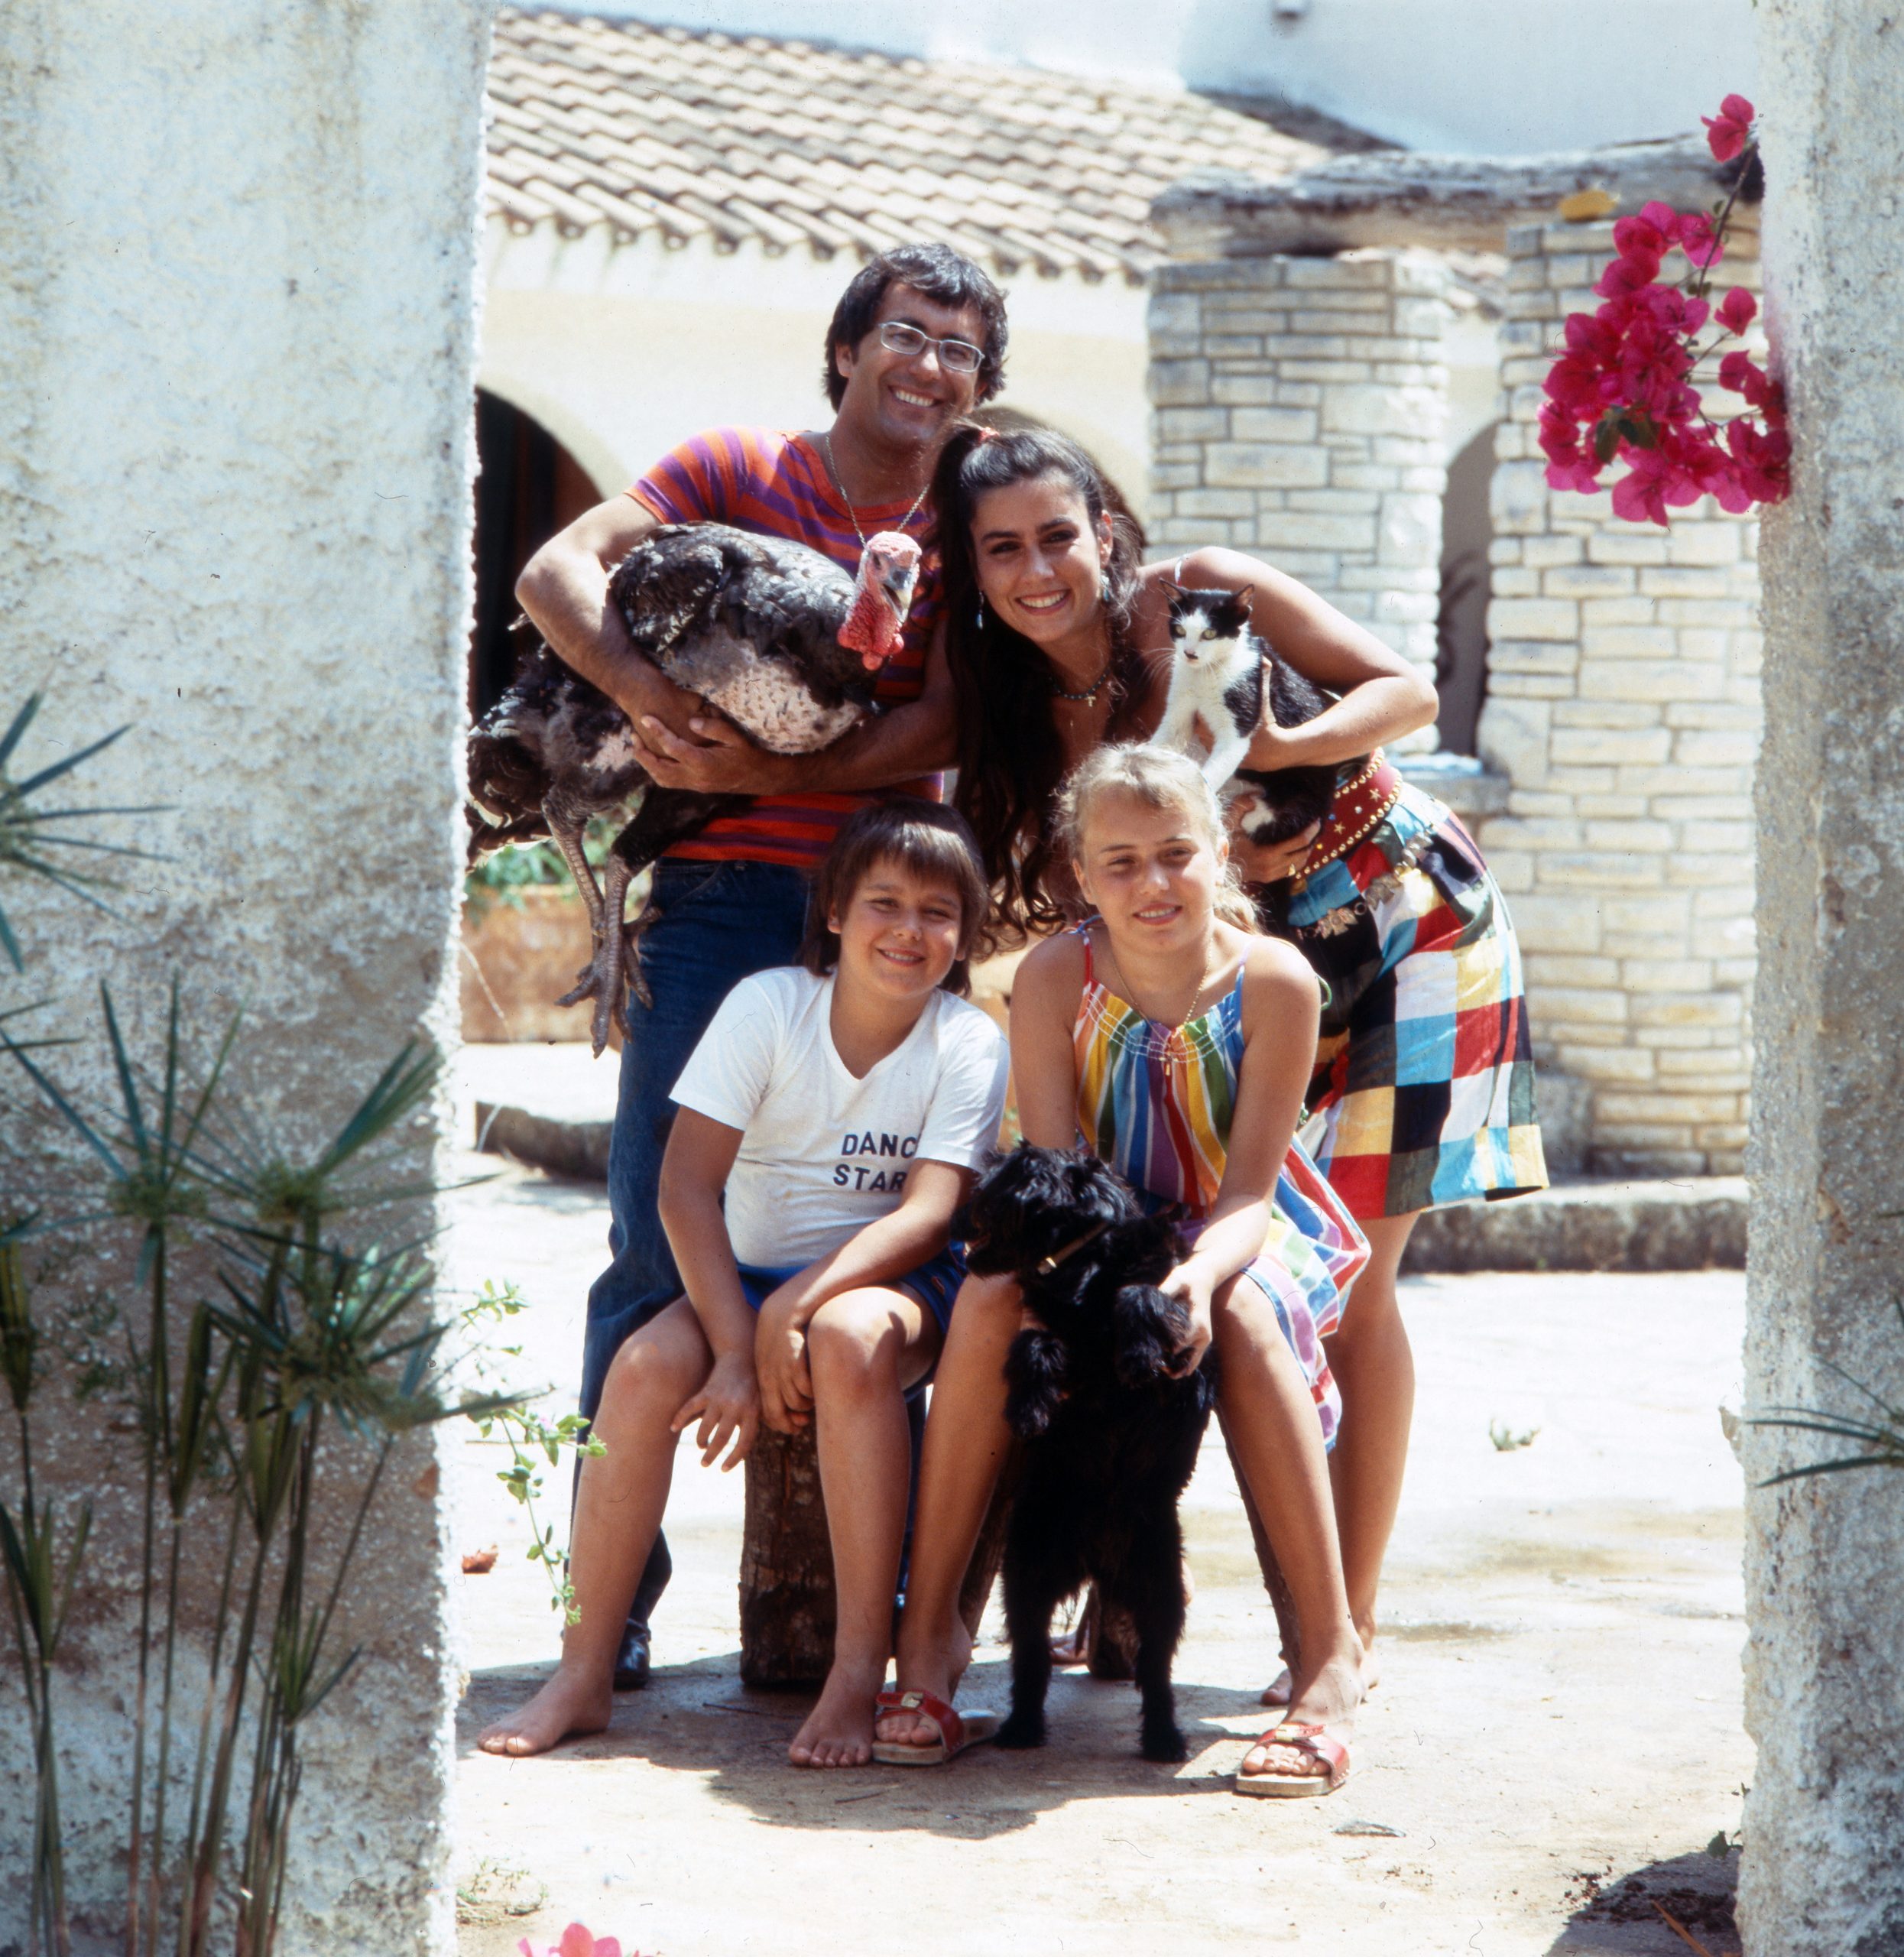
x: 1022, y: 1729
x: 1167, y: 1745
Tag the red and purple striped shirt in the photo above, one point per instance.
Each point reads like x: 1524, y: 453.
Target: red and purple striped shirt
x: 777, y: 484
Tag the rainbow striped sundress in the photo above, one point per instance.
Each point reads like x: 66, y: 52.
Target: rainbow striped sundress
x: 1155, y: 1102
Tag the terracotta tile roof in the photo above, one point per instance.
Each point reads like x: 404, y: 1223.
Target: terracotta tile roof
x: 736, y: 139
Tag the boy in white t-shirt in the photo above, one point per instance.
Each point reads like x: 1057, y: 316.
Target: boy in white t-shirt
x: 831, y: 1121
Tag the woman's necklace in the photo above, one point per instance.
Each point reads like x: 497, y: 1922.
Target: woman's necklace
x: 1125, y: 990
x: 852, y: 515
x: 1089, y: 696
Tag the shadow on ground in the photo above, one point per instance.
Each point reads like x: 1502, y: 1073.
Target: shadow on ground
x: 1629, y: 1912
x: 699, y: 1719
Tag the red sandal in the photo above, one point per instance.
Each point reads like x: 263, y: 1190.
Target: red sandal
x: 956, y: 1730
x: 1314, y: 1741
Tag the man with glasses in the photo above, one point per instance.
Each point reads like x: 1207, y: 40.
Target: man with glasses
x: 916, y: 342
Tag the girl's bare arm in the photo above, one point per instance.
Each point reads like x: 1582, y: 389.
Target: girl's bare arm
x: 1383, y: 695
x: 1044, y: 1067
x: 1281, y: 1009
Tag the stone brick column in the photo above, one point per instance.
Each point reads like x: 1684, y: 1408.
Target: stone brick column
x: 1623, y: 707
x: 1824, y: 1866
x: 1300, y: 404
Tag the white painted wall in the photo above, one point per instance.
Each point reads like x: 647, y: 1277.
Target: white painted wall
x: 1491, y: 77
x: 1488, y: 77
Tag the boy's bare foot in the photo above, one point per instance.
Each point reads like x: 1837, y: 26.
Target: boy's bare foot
x: 936, y: 1669
x: 838, y: 1731
x: 1329, y: 1700
x: 570, y: 1704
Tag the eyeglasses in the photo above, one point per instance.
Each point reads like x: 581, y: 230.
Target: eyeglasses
x: 956, y: 356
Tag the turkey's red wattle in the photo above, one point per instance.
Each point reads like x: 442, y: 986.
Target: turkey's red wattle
x: 871, y: 628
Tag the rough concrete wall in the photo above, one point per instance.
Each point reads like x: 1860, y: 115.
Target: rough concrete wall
x: 1300, y: 405
x: 1823, y: 1867
x: 237, y: 328
x: 1623, y: 704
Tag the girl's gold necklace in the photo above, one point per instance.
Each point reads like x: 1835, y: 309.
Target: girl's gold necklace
x: 1126, y: 992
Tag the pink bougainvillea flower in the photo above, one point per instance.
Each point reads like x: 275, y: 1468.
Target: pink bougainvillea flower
x: 577, y: 1941
x: 1698, y: 240
x: 1648, y: 234
x: 1731, y: 130
x: 1640, y: 496
x: 1628, y: 273
x: 1737, y: 310
x: 1738, y: 371
x: 1762, y: 461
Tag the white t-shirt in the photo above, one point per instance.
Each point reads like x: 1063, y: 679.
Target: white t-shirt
x: 823, y: 1154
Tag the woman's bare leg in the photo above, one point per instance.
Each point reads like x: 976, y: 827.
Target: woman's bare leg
x: 966, y: 1441
x: 863, y: 1349
x: 1374, y: 1369
x: 618, y: 1504
x: 1271, y: 1422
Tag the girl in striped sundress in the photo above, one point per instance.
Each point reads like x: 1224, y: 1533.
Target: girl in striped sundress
x: 1176, y: 1043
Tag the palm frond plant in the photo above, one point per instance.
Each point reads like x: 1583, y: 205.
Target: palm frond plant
x: 268, y: 1400
x: 33, y: 838
x: 311, y: 1350
x: 1879, y: 1441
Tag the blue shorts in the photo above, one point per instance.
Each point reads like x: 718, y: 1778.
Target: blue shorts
x: 934, y: 1283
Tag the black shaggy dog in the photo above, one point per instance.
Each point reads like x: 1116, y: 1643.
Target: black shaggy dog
x: 1112, y: 1431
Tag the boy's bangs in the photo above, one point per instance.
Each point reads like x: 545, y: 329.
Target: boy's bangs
x: 927, y: 840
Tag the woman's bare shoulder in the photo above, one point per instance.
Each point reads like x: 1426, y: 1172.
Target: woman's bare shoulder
x: 1277, y: 977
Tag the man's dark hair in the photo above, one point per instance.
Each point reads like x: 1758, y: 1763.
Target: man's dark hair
x: 942, y: 275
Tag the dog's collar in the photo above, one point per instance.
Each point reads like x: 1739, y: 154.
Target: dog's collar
x: 1046, y: 1265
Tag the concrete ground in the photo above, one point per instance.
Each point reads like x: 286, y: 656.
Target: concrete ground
x: 1556, y: 1741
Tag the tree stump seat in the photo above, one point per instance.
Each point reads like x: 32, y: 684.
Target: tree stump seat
x: 788, y: 1607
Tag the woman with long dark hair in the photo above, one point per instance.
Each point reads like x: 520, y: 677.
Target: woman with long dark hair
x: 1058, y: 641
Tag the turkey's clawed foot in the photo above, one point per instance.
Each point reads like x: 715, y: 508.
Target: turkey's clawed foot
x: 603, y: 979
x: 616, y: 965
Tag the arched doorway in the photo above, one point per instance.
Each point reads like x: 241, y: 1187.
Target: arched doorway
x: 528, y: 487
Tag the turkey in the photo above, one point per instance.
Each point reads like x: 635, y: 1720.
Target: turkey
x: 774, y: 635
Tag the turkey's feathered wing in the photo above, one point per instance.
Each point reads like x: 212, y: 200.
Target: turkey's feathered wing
x: 750, y: 624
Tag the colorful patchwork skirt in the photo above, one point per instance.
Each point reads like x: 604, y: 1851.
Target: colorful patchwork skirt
x: 1423, y: 1090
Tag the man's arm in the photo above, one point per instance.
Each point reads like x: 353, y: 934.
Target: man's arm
x: 564, y: 588
x: 897, y: 745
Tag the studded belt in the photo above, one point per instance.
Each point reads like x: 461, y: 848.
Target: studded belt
x: 1359, y: 806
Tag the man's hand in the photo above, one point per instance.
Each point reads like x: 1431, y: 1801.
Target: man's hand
x: 715, y: 758
x: 779, y: 1364
x: 728, y: 1406
x: 1268, y: 864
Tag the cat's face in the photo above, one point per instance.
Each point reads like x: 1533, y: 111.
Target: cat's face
x: 1205, y: 625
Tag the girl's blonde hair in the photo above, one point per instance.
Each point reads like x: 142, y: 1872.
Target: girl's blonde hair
x: 1160, y: 779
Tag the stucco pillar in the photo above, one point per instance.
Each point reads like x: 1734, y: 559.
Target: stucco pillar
x: 1300, y: 404
x: 237, y: 329
x: 1623, y: 705
x: 1823, y: 1868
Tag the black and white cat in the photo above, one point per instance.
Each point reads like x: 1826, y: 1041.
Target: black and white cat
x: 1219, y: 669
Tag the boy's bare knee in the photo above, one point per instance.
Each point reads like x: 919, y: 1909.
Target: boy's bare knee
x: 640, y: 1372
x: 851, y: 1335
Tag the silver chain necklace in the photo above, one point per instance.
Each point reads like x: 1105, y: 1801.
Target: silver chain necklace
x: 852, y: 515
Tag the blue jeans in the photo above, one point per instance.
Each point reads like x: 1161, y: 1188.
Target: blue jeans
x: 715, y: 924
